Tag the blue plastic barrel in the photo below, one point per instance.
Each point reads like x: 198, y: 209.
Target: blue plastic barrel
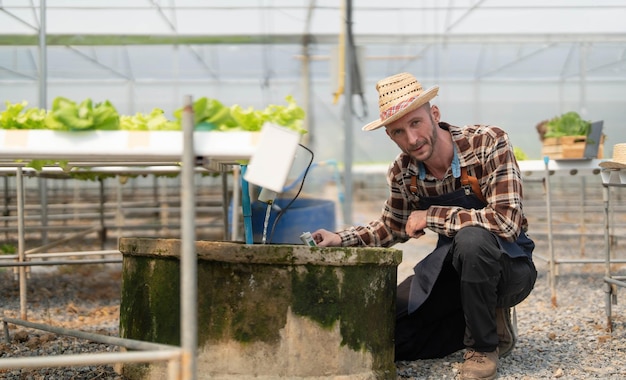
x: 304, y: 215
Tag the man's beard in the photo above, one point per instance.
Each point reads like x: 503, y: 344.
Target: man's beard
x: 433, y: 141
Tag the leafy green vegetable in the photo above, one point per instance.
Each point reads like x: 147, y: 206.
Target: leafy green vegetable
x: 66, y: 115
x: 39, y: 164
x: 248, y: 119
x: 16, y: 116
x: 290, y: 116
x: 210, y: 112
x: 213, y: 115
x: 568, y: 124
x: 520, y: 155
x: 154, y: 121
x: 105, y: 116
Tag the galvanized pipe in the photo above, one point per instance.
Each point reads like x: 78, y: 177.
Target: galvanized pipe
x: 607, y: 262
x: 236, y: 203
x: 99, y: 338
x: 76, y: 253
x: 59, y: 262
x: 552, y: 274
x: 21, y: 244
x: 225, y: 203
x: 616, y: 280
x: 64, y: 240
x: 90, y: 359
x: 188, y: 267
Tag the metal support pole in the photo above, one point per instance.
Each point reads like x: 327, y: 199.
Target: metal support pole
x: 581, y: 216
x: 347, y: 116
x: 552, y: 274
x: 225, y: 202
x: 7, y: 211
x: 119, y: 214
x: 607, y: 259
x: 43, y: 56
x: 164, y: 210
x: 234, y: 223
x: 188, y: 273
x: 21, y: 242
x: 43, y: 200
x: 246, y: 208
x: 102, y: 234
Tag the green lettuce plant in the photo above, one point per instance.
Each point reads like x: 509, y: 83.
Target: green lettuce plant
x: 568, y: 124
x: 67, y: 115
x: 17, y: 116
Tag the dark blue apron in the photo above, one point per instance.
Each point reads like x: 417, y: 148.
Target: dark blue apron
x: 427, y: 270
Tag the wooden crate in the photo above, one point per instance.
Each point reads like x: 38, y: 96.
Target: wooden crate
x: 568, y: 147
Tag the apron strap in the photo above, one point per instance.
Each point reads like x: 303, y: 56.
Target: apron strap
x: 471, y: 181
x: 466, y: 181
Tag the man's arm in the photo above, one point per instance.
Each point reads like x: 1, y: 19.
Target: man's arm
x: 387, y: 230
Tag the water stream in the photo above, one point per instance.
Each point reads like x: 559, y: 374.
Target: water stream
x: 266, y: 222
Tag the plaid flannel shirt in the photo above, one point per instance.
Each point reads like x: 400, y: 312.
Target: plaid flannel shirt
x: 488, y: 155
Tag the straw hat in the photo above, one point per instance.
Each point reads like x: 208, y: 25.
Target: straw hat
x: 398, y: 95
x: 619, y: 158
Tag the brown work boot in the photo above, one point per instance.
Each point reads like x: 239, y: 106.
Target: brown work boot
x: 479, y: 365
x: 507, y: 330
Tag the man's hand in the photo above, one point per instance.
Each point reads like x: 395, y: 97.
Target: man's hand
x: 416, y: 223
x: 324, y: 238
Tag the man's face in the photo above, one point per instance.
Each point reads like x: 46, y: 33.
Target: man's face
x: 415, y: 133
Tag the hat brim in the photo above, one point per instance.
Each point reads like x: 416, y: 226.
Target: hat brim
x: 612, y: 165
x: 424, y: 98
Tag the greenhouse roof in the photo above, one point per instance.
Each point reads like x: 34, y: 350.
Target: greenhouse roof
x: 213, y: 40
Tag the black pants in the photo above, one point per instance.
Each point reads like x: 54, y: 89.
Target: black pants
x: 476, y: 278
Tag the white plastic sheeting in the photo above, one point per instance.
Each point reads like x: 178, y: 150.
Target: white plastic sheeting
x: 511, y: 63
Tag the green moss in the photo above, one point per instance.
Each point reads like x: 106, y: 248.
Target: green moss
x: 368, y: 312
x: 149, y: 310
x: 249, y: 302
x: 244, y: 302
x: 360, y: 298
x: 316, y: 294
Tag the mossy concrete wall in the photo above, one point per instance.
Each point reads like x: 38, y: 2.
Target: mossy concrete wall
x: 266, y: 311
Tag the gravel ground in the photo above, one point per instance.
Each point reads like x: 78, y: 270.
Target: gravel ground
x: 75, y: 297
x: 569, y: 341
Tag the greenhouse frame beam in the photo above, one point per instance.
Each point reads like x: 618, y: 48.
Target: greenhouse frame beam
x: 96, y: 62
x: 482, y: 74
x: 296, y: 39
x: 451, y: 25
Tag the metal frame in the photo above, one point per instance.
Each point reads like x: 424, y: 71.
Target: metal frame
x: 183, y: 355
x: 533, y: 169
x: 149, y: 351
x: 610, y: 178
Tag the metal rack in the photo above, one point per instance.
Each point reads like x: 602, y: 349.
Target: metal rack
x: 610, y: 178
x: 190, y: 149
x: 544, y: 171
